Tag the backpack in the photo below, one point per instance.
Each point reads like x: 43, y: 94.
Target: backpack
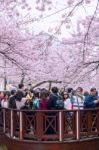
x: 59, y: 103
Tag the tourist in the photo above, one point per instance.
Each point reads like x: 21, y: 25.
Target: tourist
x: 20, y: 92
x: 29, y: 97
x: 4, y: 101
x: 53, y: 98
x: 43, y: 100
x: 78, y: 99
x: 92, y: 100
x: 1, y: 96
x: 67, y: 101
x: 19, y: 95
x: 12, y: 100
x: 35, y: 101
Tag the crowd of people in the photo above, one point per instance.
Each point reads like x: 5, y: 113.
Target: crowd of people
x: 42, y: 99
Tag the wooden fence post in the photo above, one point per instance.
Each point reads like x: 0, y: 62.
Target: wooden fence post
x: 89, y: 122
x: 4, y: 121
x: 21, y: 125
x: 78, y: 124
x: 98, y: 121
x: 39, y: 125
x: 12, y: 123
x: 60, y: 126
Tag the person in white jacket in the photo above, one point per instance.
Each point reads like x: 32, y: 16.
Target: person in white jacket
x: 67, y: 101
x: 78, y: 99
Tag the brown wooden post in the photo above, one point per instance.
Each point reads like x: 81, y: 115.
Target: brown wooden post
x: 4, y: 121
x: 21, y: 125
x: 78, y: 124
x: 89, y: 121
x: 61, y: 126
x: 39, y: 125
x: 12, y: 129
x: 97, y: 123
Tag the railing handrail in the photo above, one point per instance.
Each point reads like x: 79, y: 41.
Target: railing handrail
x: 51, y: 110
x: 61, y: 125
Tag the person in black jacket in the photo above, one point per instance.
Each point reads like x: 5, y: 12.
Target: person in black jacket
x: 54, y: 96
x: 12, y: 101
x: 20, y: 93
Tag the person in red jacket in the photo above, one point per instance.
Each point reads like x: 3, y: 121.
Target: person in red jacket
x: 43, y: 100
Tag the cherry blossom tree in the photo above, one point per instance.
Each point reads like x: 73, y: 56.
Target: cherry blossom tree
x: 45, y: 40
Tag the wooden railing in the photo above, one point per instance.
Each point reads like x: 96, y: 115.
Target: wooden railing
x: 50, y: 125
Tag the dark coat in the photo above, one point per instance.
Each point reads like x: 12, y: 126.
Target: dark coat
x: 19, y: 95
x: 51, y: 104
x: 12, y: 102
x: 89, y: 101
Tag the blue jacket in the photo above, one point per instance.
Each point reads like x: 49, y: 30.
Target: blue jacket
x: 89, y: 101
